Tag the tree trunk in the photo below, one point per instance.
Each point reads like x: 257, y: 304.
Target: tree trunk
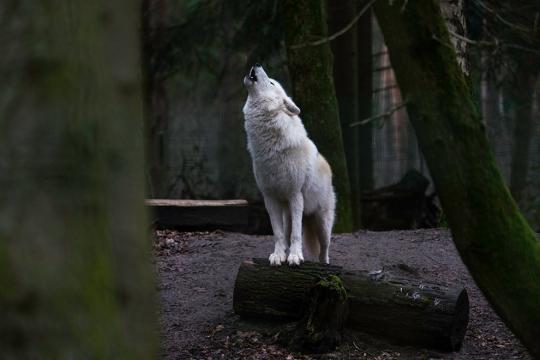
x: 310, y: 68
x: 521, y: 96
x: 344, y: 50
x: 154, y: 96
x: 75, y: 274
x: 365, y: 101
x: 404, y: 310
x: 493, y: 239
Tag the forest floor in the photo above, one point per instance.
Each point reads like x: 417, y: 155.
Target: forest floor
x: 196, y: 274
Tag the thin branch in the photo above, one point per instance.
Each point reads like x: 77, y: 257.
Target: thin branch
x: 384, y: 115
x: 494, y: 44
x: 340, y: 32
x: 511, y: 25
x: 467, y: 40
x: 448, y: 45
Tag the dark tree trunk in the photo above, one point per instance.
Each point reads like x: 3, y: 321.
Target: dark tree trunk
x: 404, y: 310
x: 365, y: 101
x: 521, y: 95
x: 75, y: 275
x: 310, y: 68
x: 492, y: 237
x: 154, y: 95
x: 344, y: 49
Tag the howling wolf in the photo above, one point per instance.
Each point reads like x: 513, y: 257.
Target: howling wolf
x: 295, y: 180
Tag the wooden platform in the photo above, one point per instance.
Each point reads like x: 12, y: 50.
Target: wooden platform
x: 229, y: 215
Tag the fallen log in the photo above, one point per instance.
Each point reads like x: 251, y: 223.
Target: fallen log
x: 403, y: 205
x: 401, y: 309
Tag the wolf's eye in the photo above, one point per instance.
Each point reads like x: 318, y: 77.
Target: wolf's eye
x: 271, y: 83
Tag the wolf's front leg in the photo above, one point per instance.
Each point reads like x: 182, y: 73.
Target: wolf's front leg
x: 275, y: 211
x: 296, y: 207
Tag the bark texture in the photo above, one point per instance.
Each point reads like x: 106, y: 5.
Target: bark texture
x: 310, y: 68
x: 403, y: 310
x: 153, y: 13
x: 492, y: 237
x: 345, y: 54
x: 522, y: 94
x: 75, y: 274
x: 365, y: 102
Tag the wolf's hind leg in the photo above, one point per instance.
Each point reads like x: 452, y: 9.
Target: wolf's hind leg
x: 275, y: 211
x: 324, y: 221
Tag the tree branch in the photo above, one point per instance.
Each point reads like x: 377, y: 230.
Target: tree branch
x: 386, y: 114
x: 340, y: 32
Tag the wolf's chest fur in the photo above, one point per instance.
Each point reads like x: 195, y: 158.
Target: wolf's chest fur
x: 282, y: 154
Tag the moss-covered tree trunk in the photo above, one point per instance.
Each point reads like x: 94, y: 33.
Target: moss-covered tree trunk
x: 493, y: 239
x: 75, y: 274
x: 310, y: 68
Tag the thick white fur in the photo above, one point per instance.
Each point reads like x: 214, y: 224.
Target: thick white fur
x: 295, y: 180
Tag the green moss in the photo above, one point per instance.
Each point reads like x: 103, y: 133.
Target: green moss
x: 335, y: 285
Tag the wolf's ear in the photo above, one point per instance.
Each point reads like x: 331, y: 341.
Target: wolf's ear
x: 290, y: 106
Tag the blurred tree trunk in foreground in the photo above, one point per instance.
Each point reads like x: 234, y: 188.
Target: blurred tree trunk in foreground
x: 310, y: 67
x: 344, y: 49
x: 75, y: 274
x: 493, y: 239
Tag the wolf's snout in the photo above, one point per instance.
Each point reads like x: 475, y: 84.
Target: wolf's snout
x: 257, y: 65
x: 252, y: 75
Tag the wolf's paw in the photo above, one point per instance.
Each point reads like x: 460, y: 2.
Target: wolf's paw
x: 277, y: 258
x: 295, y: 259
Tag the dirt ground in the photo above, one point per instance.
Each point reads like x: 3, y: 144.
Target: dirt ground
x: 196, y: 274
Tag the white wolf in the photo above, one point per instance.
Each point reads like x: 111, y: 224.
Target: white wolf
x: 295, y: 180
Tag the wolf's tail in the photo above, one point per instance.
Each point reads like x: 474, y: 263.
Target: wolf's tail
x: 311, y: 236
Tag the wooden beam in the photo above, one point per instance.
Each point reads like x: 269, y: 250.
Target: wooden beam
x: 199, y: 214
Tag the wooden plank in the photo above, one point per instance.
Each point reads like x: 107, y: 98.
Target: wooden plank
x: 191, y: 215
x: 190, y: 203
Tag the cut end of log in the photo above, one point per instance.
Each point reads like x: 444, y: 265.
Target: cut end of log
x: 321, y: 328
x: 461, y: 320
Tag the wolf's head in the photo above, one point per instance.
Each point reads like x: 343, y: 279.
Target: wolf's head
x: 267, y: 92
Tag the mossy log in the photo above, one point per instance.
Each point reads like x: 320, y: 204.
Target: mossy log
x: 403, y: 310
x: 403, y: 205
